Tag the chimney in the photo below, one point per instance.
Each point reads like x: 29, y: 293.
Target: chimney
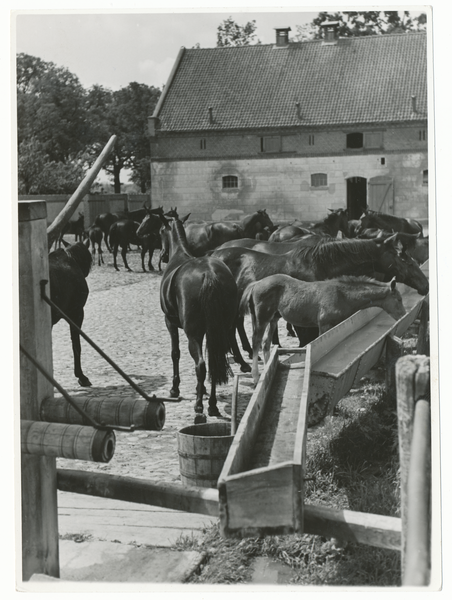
x: 282, y: 36
x: 330, y: 32
x: 297, y: 104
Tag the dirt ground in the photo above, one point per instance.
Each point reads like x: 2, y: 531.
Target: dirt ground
x: 123, y: 317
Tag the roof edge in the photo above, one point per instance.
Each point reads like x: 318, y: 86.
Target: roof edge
x: 169, y: 82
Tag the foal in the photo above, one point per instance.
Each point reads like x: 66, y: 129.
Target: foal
x: 311, y: 304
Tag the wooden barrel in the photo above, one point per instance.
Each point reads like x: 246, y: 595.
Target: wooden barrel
x: 202, y: 451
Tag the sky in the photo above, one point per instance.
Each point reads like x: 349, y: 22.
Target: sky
x: 113, y: 50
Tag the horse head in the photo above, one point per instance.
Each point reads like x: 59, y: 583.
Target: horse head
x: 394, y: 261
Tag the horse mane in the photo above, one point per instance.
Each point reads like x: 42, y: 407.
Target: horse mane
x: 182, y: 236
x: 328, y: 251
x: 357, y: 280
x: 82, y: 256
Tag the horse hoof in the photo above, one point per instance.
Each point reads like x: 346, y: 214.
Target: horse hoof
x: 200, y: 419
x: 85, y: 382
x: 214, y: 412
x: 174, y: 393
x: 245, y: 368
x: 199, y: 409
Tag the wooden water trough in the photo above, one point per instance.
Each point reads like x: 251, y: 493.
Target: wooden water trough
x: 261, y: 484
x: 343, y: 355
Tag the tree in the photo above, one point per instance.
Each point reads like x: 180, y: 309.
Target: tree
x: 50, y: 108
x: 229, y: 33
x: 124, y: 113
x: 362, y: 23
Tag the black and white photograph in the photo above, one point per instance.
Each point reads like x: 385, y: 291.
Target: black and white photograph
x: 226, y: 363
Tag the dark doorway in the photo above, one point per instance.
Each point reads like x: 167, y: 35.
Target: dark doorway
x: 356, y: 196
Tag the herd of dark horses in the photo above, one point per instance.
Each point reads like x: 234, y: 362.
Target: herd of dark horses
x: 211, y: 266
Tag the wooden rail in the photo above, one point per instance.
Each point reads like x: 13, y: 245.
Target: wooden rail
x: 413, y: 410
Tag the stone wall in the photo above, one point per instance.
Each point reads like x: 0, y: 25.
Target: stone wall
x: 283, y: 185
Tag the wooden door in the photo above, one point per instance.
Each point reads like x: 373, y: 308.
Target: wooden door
x: 381, y: 194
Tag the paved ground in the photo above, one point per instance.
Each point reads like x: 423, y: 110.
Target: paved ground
x: 124, y: 318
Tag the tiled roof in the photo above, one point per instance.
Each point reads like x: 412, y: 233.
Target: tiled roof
x: 358, y: 80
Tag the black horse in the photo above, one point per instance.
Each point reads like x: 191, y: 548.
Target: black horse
x: 125, y: 232
x: 95, y: 235
x: 198, y: 295
x: 68, y: 269
x: 77, y: 228
x: 149, y: 233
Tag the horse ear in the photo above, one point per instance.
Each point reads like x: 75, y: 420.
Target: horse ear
x: 393, y: 284
x: 184, y: 218
x: 331, y: 209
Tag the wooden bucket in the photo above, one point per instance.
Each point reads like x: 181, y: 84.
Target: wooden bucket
x: 202, y: 451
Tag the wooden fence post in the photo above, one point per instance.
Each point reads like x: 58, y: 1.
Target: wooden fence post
x: 413, y: 385
x: 38, y: 473
x: 394, y: 350
x: 423, y: 338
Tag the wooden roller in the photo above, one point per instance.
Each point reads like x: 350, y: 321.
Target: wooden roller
x: 111, y: 411
x: 67, y: 441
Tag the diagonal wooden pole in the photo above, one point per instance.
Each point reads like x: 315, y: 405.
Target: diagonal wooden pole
x: 55, y: 228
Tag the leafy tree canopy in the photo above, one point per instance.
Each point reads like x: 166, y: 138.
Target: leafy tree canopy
x: 230, y: 33
x: 360, y: 23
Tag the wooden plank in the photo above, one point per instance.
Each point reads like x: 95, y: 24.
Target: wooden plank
x: 260, y: 499
x: 373, y: 530
x: 335, y: 336
x: 299, y: 453
x: 244, y: 439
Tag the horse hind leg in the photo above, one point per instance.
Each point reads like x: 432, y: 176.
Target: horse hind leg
x: 77, y: 351
x: 175, y: 357
x: 100, y: 255
x: 124, y: 258
x: 195, y: 349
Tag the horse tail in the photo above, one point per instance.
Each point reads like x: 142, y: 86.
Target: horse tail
x: 246, y: 303
x: 215, y: 305
x: 112, y: 235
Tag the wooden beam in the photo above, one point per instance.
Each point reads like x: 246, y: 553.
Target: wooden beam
x: 177, y: 497
x: 55, y: 228
x: 364, y: 528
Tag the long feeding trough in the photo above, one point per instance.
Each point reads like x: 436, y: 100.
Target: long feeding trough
x: 344, y: 354
x: 261, y: 484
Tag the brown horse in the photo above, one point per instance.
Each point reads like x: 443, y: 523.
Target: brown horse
x: 202, y: 237
x: 371, y: 219
x: 321, y: 304
x: 336, y: 221
x: 325, y: 260
x: 198, y: 295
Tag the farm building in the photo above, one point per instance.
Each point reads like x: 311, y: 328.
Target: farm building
x: 295, y: 128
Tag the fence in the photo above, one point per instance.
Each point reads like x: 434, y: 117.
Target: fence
x: 92, y: 204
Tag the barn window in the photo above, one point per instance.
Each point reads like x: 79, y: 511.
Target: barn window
x: 311, y: 140
x: 230, y: 181
x: 355, y: 140
x: 425, y: 177
x: 319, y: 180
x: 422, y: 135
x: 271, y: 143
x: 203, y: 144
